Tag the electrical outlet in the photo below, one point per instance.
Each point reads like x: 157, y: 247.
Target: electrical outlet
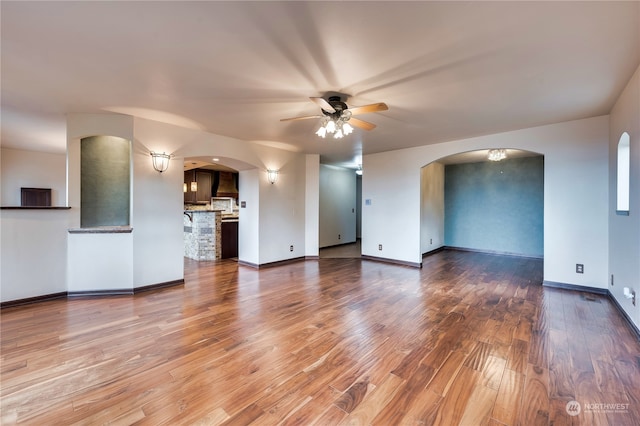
x: 339, y: 236
x: 430, y: 240
x: 611, y: 280
x: 579, y: 268
x: 630, y: 294
x: 291, y: 248
x: 380, y: 247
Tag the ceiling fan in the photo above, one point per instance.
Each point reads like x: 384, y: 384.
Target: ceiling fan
x: 337, y: 118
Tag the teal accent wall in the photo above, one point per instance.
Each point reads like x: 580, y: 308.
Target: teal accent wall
x: 105, y: 168
x: 496, y: 206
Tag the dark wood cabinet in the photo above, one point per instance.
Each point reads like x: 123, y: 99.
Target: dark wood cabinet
x: 35, y: 197
x: 204, y: 180
x: 229, y: 239
x: 189, y: 195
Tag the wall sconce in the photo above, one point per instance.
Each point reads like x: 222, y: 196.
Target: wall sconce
x: 272, y: 175
x: 160, y: 161
x: 359, y: 171
x: 184, y: 188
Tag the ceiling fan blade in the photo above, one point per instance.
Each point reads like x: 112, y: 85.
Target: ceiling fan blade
x: 322, y: 103
x: 380, y: 106
x: 301, y: 118
x: 361, y: 124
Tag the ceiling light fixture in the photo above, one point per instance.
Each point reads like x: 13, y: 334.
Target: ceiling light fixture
x: 497, y: 154
x: 337, y: 126
x: 160, y: 161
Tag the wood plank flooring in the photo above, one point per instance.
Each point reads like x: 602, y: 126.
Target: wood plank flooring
x: 470, y: 339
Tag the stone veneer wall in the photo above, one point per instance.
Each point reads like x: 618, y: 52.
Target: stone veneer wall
x: 202, y: 235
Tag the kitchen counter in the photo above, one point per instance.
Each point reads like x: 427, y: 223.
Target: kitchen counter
x: 202, y: 234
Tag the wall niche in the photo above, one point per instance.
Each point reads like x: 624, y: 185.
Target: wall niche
x: 105, y: 181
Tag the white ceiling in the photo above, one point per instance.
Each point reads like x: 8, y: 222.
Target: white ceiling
x: 447, y: 70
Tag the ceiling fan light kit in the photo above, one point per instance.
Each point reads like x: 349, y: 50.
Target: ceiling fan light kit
x: 337, y: 116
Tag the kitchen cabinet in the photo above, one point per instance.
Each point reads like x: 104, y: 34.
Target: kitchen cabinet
x: 204, y: 179
x: 229, y: 239
x: 204, y: 186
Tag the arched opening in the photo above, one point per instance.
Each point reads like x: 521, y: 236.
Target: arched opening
x: 623, y: 173
x: 469, y: 202
x: 211, y: 189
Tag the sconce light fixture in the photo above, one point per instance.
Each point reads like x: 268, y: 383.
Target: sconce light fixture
x: 160, y: 161
x: 272, y: 175
x: 184, y: 188
x: 359, y: 171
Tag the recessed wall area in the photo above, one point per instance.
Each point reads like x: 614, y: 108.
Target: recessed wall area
x: 470, y: 203
x: 105, y: 169
x: 496, y: 206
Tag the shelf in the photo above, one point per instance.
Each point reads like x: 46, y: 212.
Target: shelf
x: 33, y: 208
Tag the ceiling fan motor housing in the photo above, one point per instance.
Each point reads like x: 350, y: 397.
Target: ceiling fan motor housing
x: 338, y: 106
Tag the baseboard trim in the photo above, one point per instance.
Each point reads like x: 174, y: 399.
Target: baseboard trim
x: 392, y: 261
x: 634, y: 328
x: 311, y: 257
x: 565, y: 286
x: 434, y: 251
x: 495, y: 252
x: 158, y: 286
x: 31, y: 300
x: 89, y: 294
x: 99, y: 293
x: 272, y: 264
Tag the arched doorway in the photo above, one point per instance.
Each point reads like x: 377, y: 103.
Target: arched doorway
x: 469, y: 202
x: 211, y: 189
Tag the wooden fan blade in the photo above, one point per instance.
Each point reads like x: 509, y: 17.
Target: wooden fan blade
x: 361, y: 124
x: 380, y: 106
x: 301, y: 118
x: 322, y: 103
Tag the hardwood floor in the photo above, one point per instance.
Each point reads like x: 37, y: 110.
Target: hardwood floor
x: 350, y: 250
x: 470, y: 339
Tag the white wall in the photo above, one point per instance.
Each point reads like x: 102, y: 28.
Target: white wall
x: 30, y: 169
x: 96, y: 261
x: 432, y: 207
x: 33, y: 250
x: 624, y: 231
x: 249, y: 217
x: 33, y: 243
x: 337, y: 206
x: 157, y: 200
x: 282, y: 213
x: 576, y: 196
x: 312, y: 205
x: 100, y: 262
